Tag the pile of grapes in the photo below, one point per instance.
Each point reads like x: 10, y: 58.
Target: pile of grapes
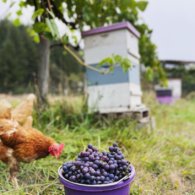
x: 93, y: 167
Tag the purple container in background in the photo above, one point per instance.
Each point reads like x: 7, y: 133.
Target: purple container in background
x: 165, y: 100
x: 123, y: 188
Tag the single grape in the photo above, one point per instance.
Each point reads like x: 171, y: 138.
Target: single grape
x: 92, y: 178
x: 95, y: 154
x: 85, y: 170
x: 106, y: 167
x: 72, y: 178
x: 112, y: 167
x: 111, y: 176
x: 123, y: 162
x: 83, y: 154
x: 87, y: 181
x: 116, y: 178
x: 78, y: 176
x: 90, y: 151
x: 97, y: 162
x: 102, y: 178
x: 91, y: 158
x: 97, y: 158
x: 93, y: 172
x: 115, y: 144
x: 86, y: 159
x: 97, y: 173
x: 73, y: 168
x: 90, y: 146
x: 87, y: 154
x: 87, y: 176
x: 105, y: 174
x: 110, y: 162
x: 111, y: 149
x: 104, y: 158
x: 82, y: 181
x: 70, y: 173
x: 95, y: 166
x: 90, y: 164
x: 124, y: 167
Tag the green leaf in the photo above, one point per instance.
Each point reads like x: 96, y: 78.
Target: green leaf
x: 142, y: 5
x: 65, y: 39
x: 22, y: 4
x: 51, y: 13
x: 39, y: 12
x: 31, y: 32
x: 53, y: 27
x: 108, y: 60
x: 149, y: 74
x: 19, y: 12
x: 4, y: 1
x: 53, y: 23
x: 111, y: 69
x: 64, y: 52
x: 81, y: 53
x: 49, y: 25
x: 8, y: 15
x: 12, y: 4
x: 126, y: 63
x: 39, y: 27
x: 36, y: 38
x: 17, y: 22
x: 118, y: 58
x: 48, y: 35
x: 75, y: 39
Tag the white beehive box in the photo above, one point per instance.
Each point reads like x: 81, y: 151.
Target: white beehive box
x: 176, y: 86
x: 116, y: 92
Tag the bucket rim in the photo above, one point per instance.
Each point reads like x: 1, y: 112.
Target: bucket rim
x: 129, y: 177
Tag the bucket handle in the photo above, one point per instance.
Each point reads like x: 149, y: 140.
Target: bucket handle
x: 102, y: 185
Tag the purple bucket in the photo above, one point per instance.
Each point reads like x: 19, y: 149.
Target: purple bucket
x: 122, y: 188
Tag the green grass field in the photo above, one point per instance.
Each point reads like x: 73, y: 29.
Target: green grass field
x: 164, y: 159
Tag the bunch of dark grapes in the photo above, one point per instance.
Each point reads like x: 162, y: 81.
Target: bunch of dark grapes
x: 93, y: 167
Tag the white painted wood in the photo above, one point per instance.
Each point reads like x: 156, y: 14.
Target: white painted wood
x: 97, y: 54
x: 132, y: 44
x: 112, y: 38
x: 135, y: 89
x: 110, y: 97
x: 176, y: 86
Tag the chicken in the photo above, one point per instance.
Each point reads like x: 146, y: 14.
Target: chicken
x: 22, y: 144
x: 24, y: 110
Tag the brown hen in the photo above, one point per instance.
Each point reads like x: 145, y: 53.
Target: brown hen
x: 24, y: 110
x: 22, y: 144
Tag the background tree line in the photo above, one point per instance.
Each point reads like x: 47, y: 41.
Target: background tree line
x: 19, y: 63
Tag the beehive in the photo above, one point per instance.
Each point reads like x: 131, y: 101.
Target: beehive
x: 118, y: 91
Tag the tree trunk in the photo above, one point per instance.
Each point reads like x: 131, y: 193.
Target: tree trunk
x: 43, y: 71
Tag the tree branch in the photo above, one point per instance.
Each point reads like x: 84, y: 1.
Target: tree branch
x: 68, y: 45
x: 35, y: 3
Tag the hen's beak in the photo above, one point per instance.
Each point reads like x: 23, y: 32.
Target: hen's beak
x: 56, y: 157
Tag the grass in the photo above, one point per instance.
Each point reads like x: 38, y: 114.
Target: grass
x: 164, y: 159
